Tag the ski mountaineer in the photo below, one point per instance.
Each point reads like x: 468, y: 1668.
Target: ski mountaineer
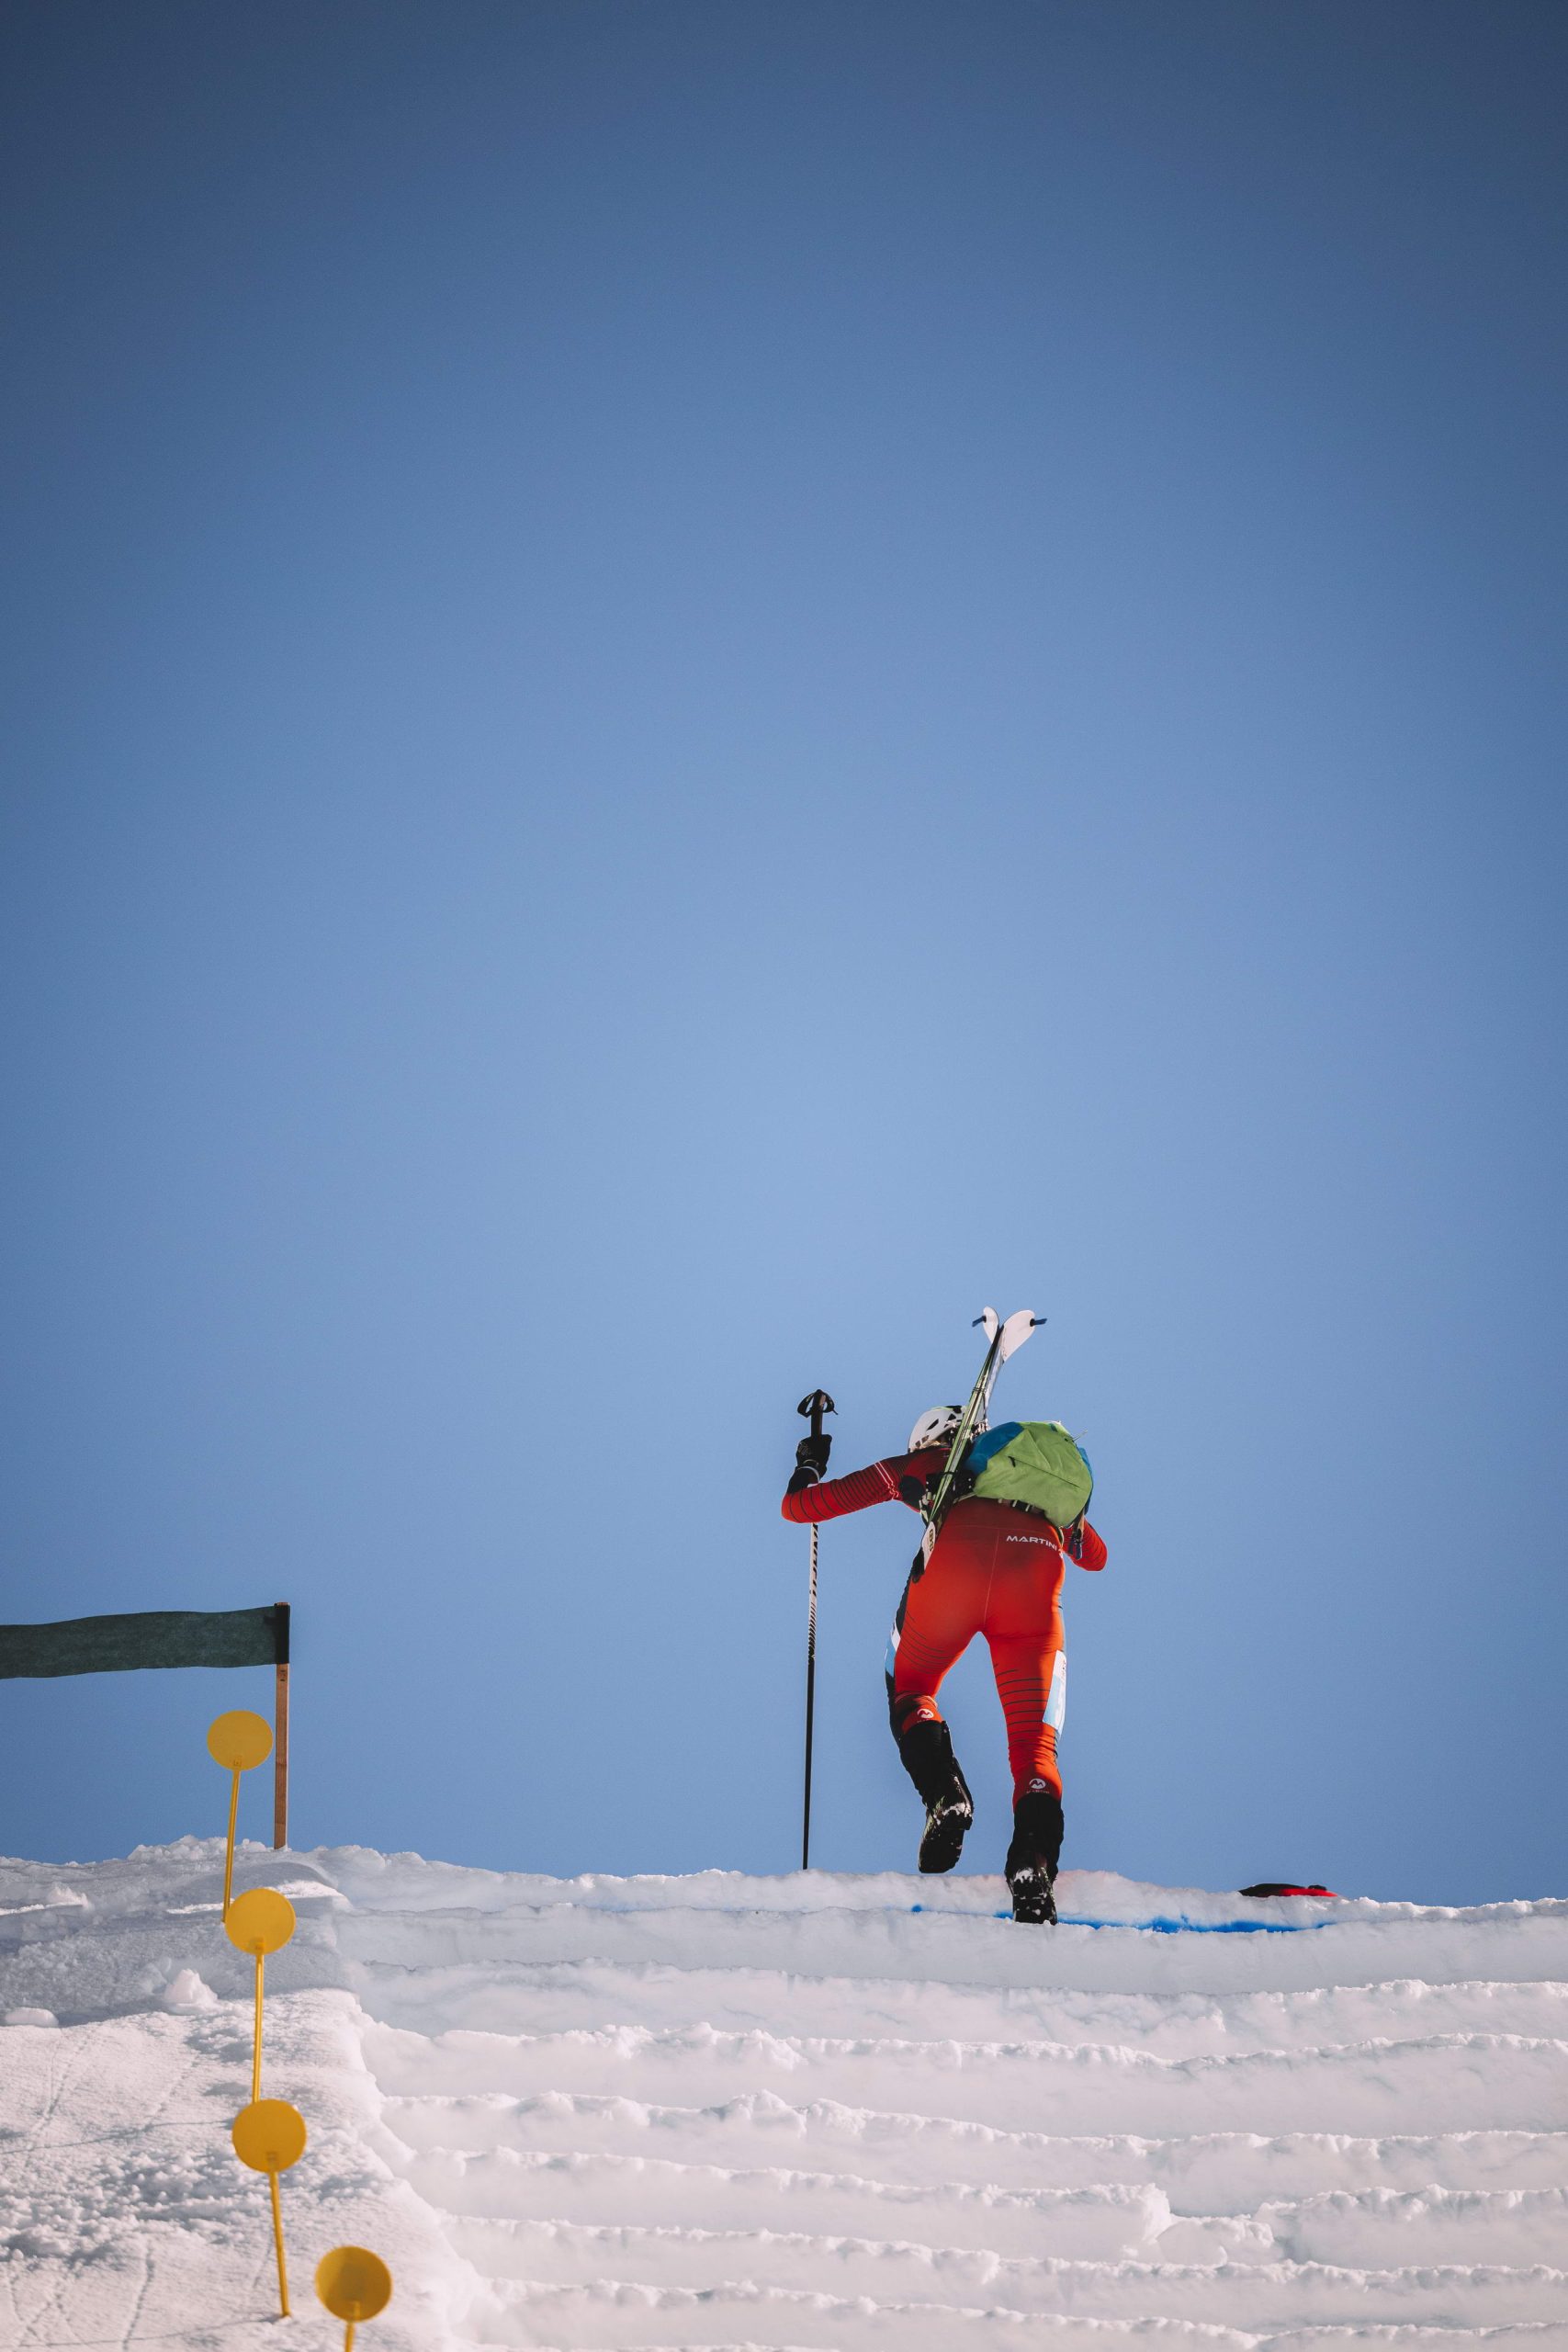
x: 996, y: 1568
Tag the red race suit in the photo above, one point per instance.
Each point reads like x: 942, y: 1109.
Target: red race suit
x: 995, y: 1571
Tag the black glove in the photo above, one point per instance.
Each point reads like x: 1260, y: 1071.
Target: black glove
x: 912, y: 1490
x: 812, y: 1454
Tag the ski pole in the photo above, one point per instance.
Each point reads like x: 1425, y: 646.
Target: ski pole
x: 813, y: 1407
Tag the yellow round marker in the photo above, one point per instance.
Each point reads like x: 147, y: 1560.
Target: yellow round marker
x: 355, y: 2284
x: 261, y: 1920
x: 238, y: 1741
x: 269, y: 2136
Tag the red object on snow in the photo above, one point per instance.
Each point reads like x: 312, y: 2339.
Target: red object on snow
x: 1272, y: 1886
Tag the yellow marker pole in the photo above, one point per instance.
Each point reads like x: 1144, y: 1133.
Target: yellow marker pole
x: 269, y: 2136
x: 259, y: 1921
x: 355, y: 2284
x: 277, y: 2240
x: 236, y: 1741
x: 228, y: 1848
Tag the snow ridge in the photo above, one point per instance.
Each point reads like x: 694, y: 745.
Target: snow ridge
x: 793, y: 2112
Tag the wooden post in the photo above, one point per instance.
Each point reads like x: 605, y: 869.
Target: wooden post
x: 280, y: 1734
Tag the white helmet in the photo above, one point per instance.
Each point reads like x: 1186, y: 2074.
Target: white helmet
x: 936, y: 1428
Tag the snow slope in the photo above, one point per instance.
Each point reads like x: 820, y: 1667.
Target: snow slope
x: 792, y: 2111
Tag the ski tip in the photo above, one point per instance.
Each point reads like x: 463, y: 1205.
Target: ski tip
x: 1016, y: 1330
x: 990, y: 1320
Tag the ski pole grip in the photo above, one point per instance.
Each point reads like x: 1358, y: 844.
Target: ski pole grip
x: 812, y: 1408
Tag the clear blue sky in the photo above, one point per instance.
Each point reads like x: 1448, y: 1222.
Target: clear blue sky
x: 689, y: 688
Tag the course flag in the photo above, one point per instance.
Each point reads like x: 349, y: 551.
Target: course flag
x: 165, y: 1637
x: 269, y: 2136
x: 355, y: 2284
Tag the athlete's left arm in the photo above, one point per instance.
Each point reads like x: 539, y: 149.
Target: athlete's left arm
x: 1088, y: 1547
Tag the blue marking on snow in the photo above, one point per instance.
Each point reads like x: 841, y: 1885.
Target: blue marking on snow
x: 1205, y: 1926
x: 1168, y: 1927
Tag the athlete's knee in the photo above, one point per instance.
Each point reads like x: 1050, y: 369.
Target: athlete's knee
x: 906, y: 1707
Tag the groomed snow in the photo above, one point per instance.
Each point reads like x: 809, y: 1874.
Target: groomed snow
x: 798, y: 2111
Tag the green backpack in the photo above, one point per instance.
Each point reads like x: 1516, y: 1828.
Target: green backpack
x: 1036, y: 1463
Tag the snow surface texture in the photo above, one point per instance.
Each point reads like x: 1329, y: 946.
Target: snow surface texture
x: 797, y: 2112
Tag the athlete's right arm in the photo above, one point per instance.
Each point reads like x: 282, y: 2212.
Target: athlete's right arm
x: 1088, y: 1547
x: 882, y: 1482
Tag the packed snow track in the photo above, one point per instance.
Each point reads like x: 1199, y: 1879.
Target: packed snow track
x: 803, y: 2111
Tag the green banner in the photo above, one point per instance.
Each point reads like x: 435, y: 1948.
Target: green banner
x: 151, y: 1637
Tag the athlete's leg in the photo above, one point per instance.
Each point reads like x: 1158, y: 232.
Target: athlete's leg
x: 938, y: 1617
x: 1023, y: 1627
x: 1032, y: 1683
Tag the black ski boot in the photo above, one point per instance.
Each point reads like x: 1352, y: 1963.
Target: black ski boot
x: 926, y: 1748
x: 1032, y: 1857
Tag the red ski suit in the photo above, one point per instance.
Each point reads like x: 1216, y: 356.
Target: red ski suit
x: 994, y: 1570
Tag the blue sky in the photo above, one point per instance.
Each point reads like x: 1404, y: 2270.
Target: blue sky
x: 690, y: 688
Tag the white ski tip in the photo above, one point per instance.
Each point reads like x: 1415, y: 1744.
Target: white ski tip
x: 991, y: 1320
x: 1015, y: 1331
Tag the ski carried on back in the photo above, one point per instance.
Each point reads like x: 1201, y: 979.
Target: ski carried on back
x: 1003, y: 1340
